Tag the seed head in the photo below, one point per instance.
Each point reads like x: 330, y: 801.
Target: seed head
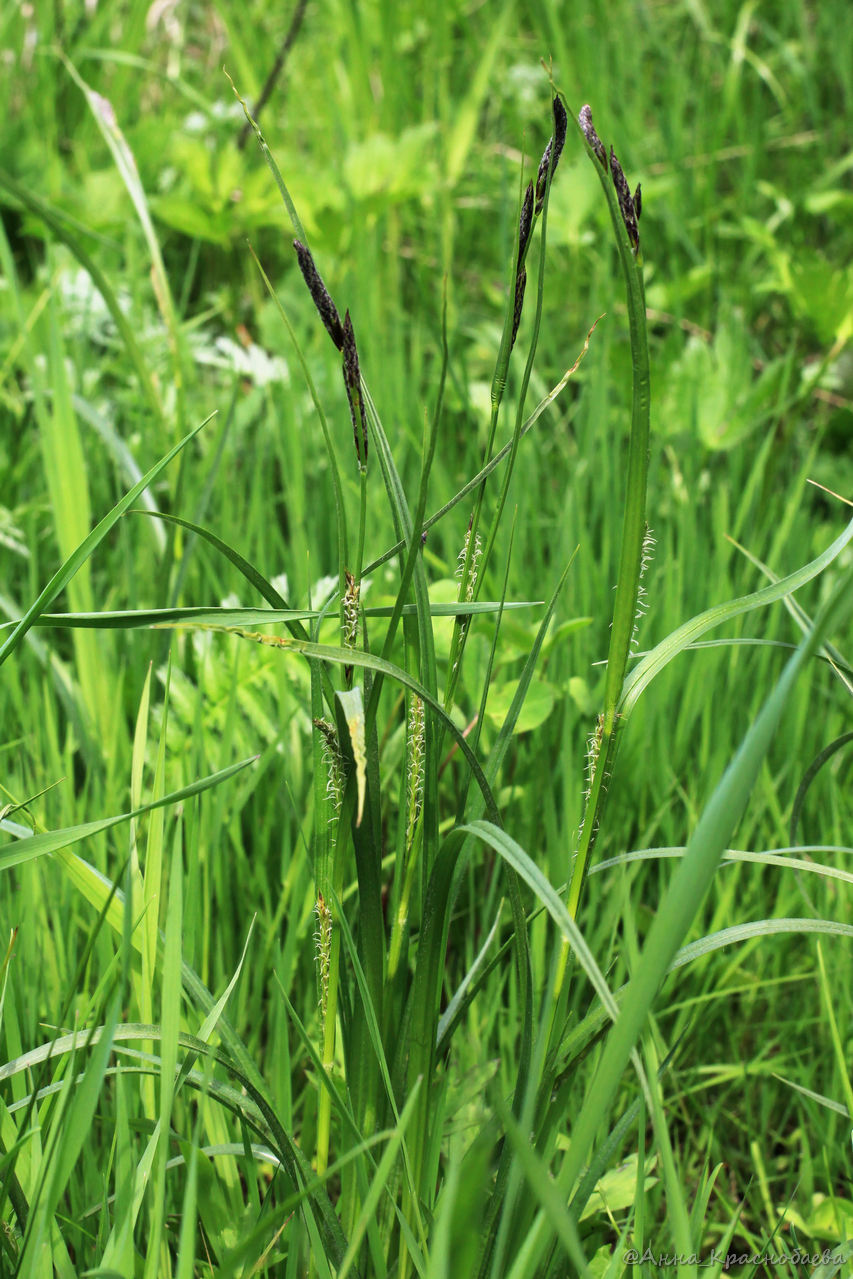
x: 352, y: 382
x: 475, y: 562
x: 525, y: 222
x: 626, y: 204
x: 585, y: 122
x: 555, y: 145
x: 333, y: 759
x: 320, y: 294
x: 520, y: 283
x: 351, y: 602
x: 323, y: 953
x: 415, y: 735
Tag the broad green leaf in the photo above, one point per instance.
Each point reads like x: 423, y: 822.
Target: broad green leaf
x: 538, y: 704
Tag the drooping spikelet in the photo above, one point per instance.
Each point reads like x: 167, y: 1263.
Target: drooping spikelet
x: 626, y: 203
x: 555, y: 146
x: 525, y: 222
x: 520, y: 285
x: 585, y: 122
x: 352, y: 382
x: 629, y: 206
x: 320, y: 294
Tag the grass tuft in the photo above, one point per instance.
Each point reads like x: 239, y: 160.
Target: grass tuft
x: 371, y: 917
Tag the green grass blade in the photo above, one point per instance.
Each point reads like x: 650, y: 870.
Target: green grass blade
x: 779, y: 857
x: 247, y: 570
x: 687, y: 890
x: 375, y: 1039
x: 378, y: 1183
x: 498, y: 752
x: 655, y: 661
x: 274, y: 169
x: 633, y: 532
x: 75, y: 1123
x: 543, y: 1189
x: 465, y: 991
x: 739, y: 933
x: 64, y: 574
x: 810, y: 774
x: 319, y: 1213
x: 56, y: 221
x: 340, y: 510
x: 170, y: 985
x: 54, y: 841
x: 225, y: 618
x: 125, y: 163
x: 523, y: 865
x: 130, y: 619
x: 368, y: 661
x: 484, y: 473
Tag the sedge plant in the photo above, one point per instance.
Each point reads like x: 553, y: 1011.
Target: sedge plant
x: 370, y: 1175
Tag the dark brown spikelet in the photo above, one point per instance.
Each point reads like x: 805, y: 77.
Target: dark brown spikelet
x: 585, y: 122
x: 352, y: 382
x: 555, y: 145
x: 520, y: 284
x: 626, y: 204
x: 561, y: 123
x: 638, y: 201
x: 525, y: 222
x: 320, y: 294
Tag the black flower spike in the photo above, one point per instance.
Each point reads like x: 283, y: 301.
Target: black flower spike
x: 520, y: 285
x: 626, y: 204
x: 585, y: 122
x: 555, y: 144
x: 323, y: 302
x: 525, y: 222
x: 561, y: 124
x: 352, y: 382
x: 638, y: 201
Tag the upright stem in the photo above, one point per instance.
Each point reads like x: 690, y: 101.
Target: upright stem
x: 624, y: 217
x: 533, y: 203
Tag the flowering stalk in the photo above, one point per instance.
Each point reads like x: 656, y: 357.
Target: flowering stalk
x: 532, y: 207
x: 343, y: 336
x: 327, y: 936
x: 636, y: 540
x: 415, y: 744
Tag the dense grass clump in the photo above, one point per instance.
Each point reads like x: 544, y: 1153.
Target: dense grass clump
x: 426, y: 836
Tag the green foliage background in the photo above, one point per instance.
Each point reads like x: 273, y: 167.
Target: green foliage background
x: 402, y: 131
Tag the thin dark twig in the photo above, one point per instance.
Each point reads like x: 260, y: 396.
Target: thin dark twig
x: 277, y: 67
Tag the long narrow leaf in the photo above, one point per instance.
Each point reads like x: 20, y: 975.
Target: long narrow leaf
x: 660, y: 656
x: 688, y: 888
x: 58, y: 223
x: 64, y: 574
x: 53, y: 841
